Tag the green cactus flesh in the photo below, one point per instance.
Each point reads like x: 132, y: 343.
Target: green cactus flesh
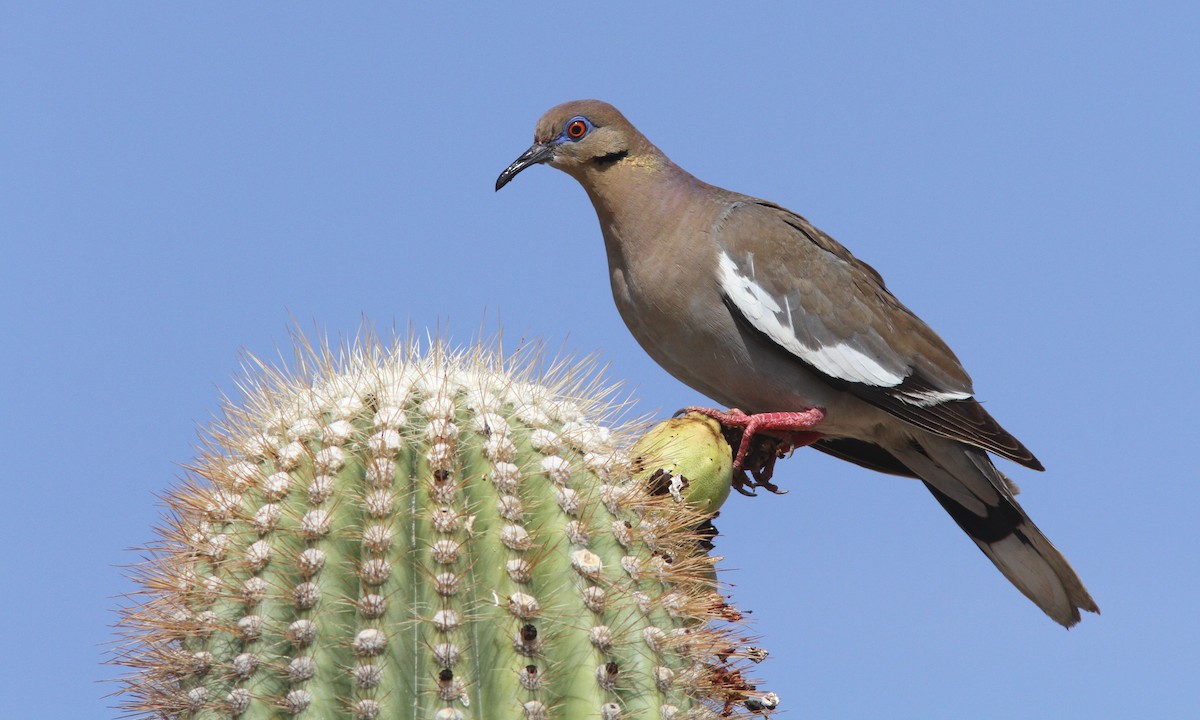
x: 435, y: 536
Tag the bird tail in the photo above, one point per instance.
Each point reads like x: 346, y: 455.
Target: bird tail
x: 982, y: 501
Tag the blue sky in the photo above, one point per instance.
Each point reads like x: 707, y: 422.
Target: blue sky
x: 179, y: 181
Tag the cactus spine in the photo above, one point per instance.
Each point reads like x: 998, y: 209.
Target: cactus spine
x: 439, y: 535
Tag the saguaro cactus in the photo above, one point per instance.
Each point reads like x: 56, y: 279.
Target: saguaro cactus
x: 388, y: 533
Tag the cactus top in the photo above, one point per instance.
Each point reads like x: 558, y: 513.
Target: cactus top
x: 440, y: 535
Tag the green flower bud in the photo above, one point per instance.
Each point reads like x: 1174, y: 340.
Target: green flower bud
x: 688, y: 458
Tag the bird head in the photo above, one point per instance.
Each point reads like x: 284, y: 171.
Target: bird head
x: 576, y: 137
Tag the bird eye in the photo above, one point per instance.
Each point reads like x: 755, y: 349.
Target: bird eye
x: 577, y: 128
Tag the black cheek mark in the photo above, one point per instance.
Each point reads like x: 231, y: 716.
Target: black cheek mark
x: 606, y: 161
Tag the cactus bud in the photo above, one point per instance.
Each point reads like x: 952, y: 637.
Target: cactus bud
x: 688, y: 458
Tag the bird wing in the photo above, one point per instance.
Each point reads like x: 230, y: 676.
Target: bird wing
x: 809, y: 295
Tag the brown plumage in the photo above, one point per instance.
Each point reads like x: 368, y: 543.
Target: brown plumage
x: 750, y: 304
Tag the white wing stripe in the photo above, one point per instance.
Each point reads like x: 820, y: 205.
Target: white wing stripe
x: 839, y: 360
x: 925, y: 398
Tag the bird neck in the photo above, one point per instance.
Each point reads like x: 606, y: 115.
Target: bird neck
x: 639, y: 200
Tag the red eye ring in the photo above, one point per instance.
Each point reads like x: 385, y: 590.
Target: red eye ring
x: 576, y: 129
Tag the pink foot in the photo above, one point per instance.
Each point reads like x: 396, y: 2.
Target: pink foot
x: 794, y: 428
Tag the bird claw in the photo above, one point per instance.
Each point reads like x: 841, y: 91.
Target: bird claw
x: 765, y: 482
x: 741, y: 482
x: 761, y: 439
x: 760, y: 464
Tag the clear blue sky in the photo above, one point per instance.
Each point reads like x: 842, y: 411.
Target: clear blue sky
x: 178, y: 180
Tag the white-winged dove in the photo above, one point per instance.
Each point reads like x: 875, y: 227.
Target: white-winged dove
x: 748, y: 303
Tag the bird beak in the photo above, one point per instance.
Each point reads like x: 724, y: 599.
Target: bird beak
x: 537, y: 153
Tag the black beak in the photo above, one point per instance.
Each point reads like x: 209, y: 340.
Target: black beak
x: 537, y: 153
